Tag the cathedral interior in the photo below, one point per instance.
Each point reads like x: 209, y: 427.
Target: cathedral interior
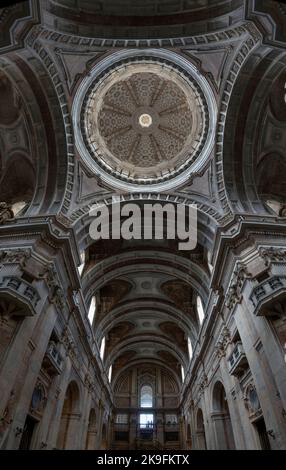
x: 123, y: 344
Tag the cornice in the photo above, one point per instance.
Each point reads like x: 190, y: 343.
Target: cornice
x: 53, y: 234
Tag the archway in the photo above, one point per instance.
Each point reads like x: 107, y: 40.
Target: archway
x: 200, y: 432
x: 70, y: 417
x: 221, y: 419
x: 91, y: 431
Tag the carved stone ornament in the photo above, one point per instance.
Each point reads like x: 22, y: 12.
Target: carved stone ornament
x: 251, y: 401
x: 89, y: 383
x: 67, y: 341
x: 56, y: 292
x: 271, y: 254
x: 6, y: 212
x: 15, y: 256
x: 203, y: 382
x: 233, y: 295
x: 223, y: 342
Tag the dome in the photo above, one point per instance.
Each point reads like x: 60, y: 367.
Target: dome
x: 144, y: 121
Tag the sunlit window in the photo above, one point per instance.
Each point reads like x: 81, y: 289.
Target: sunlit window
x: 110, y: 373
x: 200, y: 310
x: 17, y: 207
x: 183, y: 373
x: 81, y: 267
x: 102, y: 348
x: 92, y: 308
x: 274, y: 205
x: 146, y: 396
x: 190, y: 348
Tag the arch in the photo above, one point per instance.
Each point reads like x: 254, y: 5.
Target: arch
x: 245, y: 118
x: 208, y: 215
x: 67, y: 435
x: 200, y: 430
x: 91, y: 431
x: 221, y: 419
x: 128, y: 21
x: 270, y: 178
x: 17, y: 181
x: 164, y: 312
x: 125, y: 263
x: 127, y: 368
x: 151, y: 341
x: 31, y: 84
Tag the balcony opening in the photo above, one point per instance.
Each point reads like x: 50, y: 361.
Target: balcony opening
x: 146, y: 420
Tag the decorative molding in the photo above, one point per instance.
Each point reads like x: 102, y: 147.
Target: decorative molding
x: 47, y: 61
x: 104, y: 43
x: 151, y: 197
x: 241, y: 56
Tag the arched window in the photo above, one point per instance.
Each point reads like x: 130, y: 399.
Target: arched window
x: 146, y: 396
x: 190, y: 348
x: 81, y: 267
x: 92, y: 309
x: 200, y: 309
x: 102, y: 348
x: 183, y: 373
x: 110, y: 373
x: 209, y: 257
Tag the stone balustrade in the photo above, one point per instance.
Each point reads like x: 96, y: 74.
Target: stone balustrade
x: 23, y: 294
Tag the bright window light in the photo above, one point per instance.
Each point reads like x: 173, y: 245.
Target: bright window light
x: 146, y: 396
x: 183, y: 373
x: 102, y: 348
x: 110, y: 373
x: 82, y: 258
x: 200, y: 310
x: 92, y: 308
x: 146, y: 420
x: 17, y: 207
x: 190, y: 348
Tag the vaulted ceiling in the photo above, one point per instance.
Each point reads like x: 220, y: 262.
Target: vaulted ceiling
x: 115, y: 57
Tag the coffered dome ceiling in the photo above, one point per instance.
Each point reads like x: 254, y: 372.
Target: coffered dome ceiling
x: 146, y: 123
